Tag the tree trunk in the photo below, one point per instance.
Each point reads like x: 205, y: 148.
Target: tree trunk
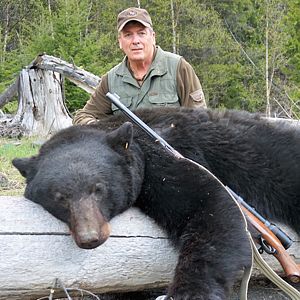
x: 268, y: 107
x: 6, y: 31
x: 41, y: 109
x: 173, y: 27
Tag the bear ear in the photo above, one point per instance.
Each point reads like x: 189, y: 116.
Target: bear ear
x: 121, y: 137
x: 26, y: 166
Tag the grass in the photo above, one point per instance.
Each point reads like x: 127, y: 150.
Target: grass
x: 11, y: 181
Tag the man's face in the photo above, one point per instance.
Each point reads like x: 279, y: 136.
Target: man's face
x: 137, y: 41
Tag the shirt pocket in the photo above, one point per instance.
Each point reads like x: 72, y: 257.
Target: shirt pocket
x: 164, y: 99
x: 127, y: 101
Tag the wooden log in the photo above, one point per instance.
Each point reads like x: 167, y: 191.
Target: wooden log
x: 36, y: 248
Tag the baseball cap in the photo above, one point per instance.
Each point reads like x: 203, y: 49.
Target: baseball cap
x: 133, y: 14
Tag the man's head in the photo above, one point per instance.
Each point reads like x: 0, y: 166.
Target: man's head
x: 136, y: 36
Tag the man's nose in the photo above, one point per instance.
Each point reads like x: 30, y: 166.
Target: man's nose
x: 135, y: 39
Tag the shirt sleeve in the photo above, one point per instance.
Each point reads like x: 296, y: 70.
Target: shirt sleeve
x: 189, y: 88
x: 97, y: 107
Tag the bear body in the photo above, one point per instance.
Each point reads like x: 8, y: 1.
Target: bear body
x: 86, y: 175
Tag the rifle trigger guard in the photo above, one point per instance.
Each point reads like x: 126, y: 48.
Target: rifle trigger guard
x: 264, y: 246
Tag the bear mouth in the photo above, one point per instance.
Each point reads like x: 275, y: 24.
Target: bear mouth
x: 87, y: 224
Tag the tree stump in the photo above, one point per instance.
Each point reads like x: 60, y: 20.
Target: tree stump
x: 41, y: 109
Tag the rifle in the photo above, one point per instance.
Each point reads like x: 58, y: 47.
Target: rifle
x: 272, y: 239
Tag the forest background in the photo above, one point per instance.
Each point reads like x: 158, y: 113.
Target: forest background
x: 245, y: 52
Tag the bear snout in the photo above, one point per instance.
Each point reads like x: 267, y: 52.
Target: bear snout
x: 87, y: 224
x: 92, y: 239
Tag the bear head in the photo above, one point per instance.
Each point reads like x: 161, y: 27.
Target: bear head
x: 85, y: 176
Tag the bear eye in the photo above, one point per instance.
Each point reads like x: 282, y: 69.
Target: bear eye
x: 58, y: 196
x: 98, y: 188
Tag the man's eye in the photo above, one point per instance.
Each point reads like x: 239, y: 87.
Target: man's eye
x: 127, y: 35
x: 142, y: 33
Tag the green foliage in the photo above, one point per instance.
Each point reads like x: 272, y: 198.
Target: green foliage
x: 225, y: 41
x: 11, y: 107
x: 10, y: 149
x: 292, y: 20
x: 75, y: 96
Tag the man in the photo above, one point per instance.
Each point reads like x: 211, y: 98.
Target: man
x: 147, y: 76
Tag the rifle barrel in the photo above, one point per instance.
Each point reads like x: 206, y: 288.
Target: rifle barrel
x: 114, y: 98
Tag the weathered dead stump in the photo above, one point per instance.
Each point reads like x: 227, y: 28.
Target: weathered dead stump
x: 41, y: 109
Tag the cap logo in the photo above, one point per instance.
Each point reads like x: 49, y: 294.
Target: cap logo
x: 132, y: 13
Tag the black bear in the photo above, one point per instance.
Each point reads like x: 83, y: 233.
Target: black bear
x: 85, y: 175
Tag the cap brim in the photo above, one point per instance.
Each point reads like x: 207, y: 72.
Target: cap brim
x: 142, y: 22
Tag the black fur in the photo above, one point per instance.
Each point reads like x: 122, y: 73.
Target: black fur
x: 120, y: 166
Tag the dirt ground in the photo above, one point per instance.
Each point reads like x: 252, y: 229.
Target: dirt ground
x: 263, y: 290
x: 258, y: 290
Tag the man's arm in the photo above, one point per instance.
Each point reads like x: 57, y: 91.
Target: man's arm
x: 97, y: 106
x: 189, y: 87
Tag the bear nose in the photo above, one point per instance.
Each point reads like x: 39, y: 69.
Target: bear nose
x: 89, y: 240
x: 87, y: 224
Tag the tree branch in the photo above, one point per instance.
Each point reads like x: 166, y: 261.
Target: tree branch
x: 9, y: 93
x: 80, y: 77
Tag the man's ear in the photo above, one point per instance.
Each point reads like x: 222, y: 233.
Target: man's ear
x: 154, y: 38
x: 121, y: 138
x: 120, y: 44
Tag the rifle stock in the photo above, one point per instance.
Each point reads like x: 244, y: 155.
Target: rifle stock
x: 291, y: 269
x: 289, y: 266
